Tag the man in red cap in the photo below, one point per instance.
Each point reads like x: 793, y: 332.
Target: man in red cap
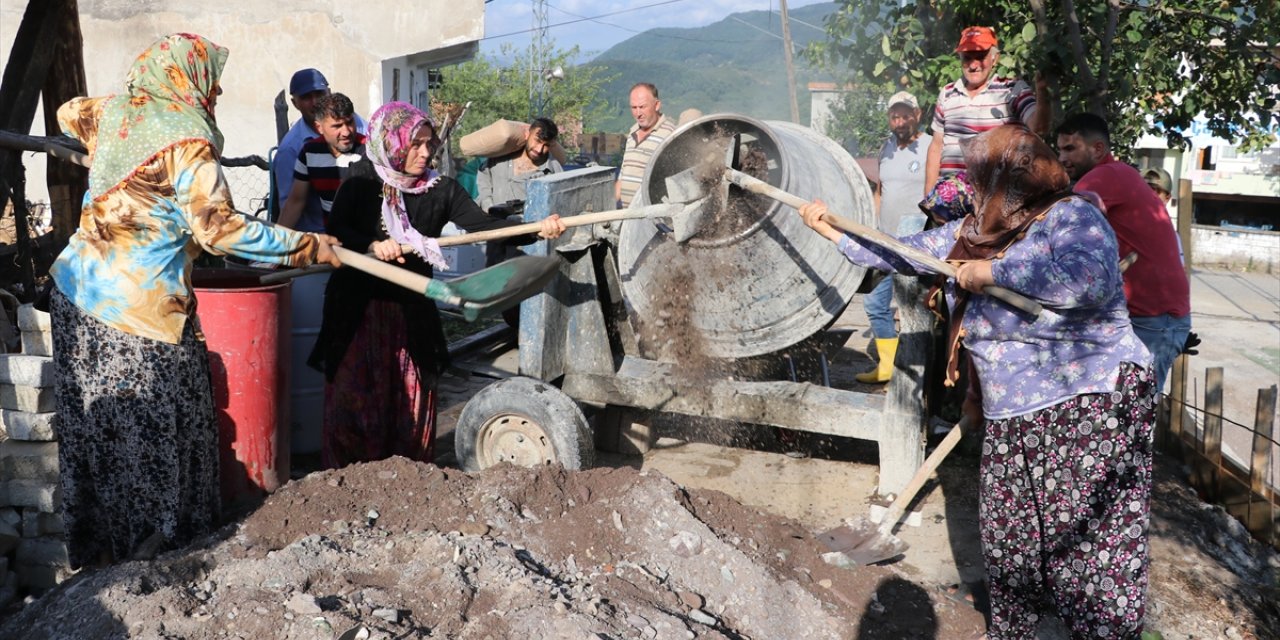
x: 977, y: 102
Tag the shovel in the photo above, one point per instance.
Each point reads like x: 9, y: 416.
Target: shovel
x: 681, y: 214
x: 859, y: 541
x: 688, y: 183
x: 486, y: 291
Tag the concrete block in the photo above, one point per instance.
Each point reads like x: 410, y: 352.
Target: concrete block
x: 41, y: 552
x: 25, y: 370
x: 9, y: 538
x: 29, y: 426
x: 29, y: 399
x: 21, y: 460
x: 9, y: 515
x: 36, y: 523
x: 37, y: 343
x: 44, y: 496
x: 30, y: 319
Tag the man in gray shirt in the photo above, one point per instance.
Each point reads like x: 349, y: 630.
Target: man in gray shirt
x: 500, y: 183
x: 902, y: 168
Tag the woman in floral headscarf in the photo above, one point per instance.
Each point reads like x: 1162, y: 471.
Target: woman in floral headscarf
x: 1067, y: 397
x: 382, y: 347
x: 138, y: 435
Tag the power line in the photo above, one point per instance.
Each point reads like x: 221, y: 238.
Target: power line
x: 603, y: 15
x: 658, y: 35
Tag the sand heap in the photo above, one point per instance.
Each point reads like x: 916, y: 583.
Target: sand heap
x: 398, y: 549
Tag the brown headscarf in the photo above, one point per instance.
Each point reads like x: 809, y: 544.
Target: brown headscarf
x: 1016, y: 177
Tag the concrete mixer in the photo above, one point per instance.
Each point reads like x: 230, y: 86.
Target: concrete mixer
x: 638, y: 323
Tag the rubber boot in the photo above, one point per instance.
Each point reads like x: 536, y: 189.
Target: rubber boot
x: 887, y: 348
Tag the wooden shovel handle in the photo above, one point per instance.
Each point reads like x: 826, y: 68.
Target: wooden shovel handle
x: 895, y: 510
x: 379, y: 269
x: 879, y: 237
x: 580, y: 220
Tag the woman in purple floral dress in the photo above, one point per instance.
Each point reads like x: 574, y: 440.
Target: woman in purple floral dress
x: 1066, y: 396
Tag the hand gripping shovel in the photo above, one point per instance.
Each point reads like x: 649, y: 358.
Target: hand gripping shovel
x: 486, y: 291
x: 680, y: 214
x: 859, y: 541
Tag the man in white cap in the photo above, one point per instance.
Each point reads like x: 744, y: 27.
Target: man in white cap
x: 305, y: 87
x: 902, y: 165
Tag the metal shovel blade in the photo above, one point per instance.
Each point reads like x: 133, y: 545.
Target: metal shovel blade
x: 859, y: 542
x: 496, y: 288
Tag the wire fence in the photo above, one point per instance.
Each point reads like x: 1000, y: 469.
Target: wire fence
x: 1231, y: 464
x: 250, y: 188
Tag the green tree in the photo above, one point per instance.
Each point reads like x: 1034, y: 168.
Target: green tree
x: 1148, y: 66
x: 498, y: 91
x: 859, y: 120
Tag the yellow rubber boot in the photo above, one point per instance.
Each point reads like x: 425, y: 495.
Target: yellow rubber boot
x: 887, y: 348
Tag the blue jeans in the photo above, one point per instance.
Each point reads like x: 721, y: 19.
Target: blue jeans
x: 878, y: 302
x: 1165, y: 336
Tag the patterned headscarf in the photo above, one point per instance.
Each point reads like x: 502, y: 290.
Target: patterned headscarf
x: 1016, y: 178
x: 169, y: 96
x: 391, y: 131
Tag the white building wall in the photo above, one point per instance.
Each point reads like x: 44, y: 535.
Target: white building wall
x: 350, y: 41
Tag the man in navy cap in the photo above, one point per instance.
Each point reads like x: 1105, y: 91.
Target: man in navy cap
x: 306, y: 86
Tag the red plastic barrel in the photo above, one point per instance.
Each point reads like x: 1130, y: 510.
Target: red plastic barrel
x: 246, y: 326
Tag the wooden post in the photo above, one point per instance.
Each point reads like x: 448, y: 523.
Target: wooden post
x: 1185, y: 215
x: 65, y: 80
x: 1263, y: 428
x: 1177, y: 402
x: 1209, y: 470
x: 24, y: 76
x: 902, y: 428
x: 1213, y: 415
x: 1260, y: 517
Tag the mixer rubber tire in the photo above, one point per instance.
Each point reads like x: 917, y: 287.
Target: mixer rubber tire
x: 534, y: 422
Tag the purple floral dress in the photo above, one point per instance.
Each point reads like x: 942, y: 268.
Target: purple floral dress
x: 1066, y: 464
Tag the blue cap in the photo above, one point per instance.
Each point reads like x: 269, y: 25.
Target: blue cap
x: 306, y: 81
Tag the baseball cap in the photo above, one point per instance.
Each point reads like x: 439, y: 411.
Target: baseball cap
x: 977, y: 39
x: 904, y: 97
x: 1159, y: 179
x: 307, y: 80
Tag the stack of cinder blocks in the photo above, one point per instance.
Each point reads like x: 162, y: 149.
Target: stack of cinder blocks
x: 33, y: 553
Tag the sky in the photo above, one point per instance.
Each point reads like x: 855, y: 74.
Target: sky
x: 510, y: 21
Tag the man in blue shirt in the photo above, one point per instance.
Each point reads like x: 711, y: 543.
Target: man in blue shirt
x: 306, y: 86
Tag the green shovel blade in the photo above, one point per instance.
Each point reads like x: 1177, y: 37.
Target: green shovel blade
x: 491, y: 290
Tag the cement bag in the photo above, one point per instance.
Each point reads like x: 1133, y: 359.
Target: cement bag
x: 501, y: 138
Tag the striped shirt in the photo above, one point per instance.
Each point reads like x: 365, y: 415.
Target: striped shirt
x: 324, y: 171
x: 637, y: 154
x: 960, y: 116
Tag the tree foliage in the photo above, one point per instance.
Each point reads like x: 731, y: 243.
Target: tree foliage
x: 508, y: 91
x: 1148, y: 66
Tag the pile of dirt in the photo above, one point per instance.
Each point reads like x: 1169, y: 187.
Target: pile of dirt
x: 404, y: 549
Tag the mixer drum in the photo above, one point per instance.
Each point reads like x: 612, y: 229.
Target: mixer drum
x: 754, y: 280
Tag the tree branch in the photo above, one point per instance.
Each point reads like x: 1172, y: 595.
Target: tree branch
x: 1088, y: 83
x: 1108, y: 48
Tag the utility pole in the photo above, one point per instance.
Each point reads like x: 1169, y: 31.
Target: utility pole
x: 791, y: 67
x: 538, y: 60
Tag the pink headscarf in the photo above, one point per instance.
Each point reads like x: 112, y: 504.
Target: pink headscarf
x: 391, y: 131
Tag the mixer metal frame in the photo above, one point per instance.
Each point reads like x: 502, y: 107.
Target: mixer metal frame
x: 575, y: 336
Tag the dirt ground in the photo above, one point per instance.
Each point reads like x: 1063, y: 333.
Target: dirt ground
x: 709, y: 535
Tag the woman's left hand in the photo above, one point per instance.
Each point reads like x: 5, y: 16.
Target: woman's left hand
x: 973, y: 276
x: 552, y: 227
